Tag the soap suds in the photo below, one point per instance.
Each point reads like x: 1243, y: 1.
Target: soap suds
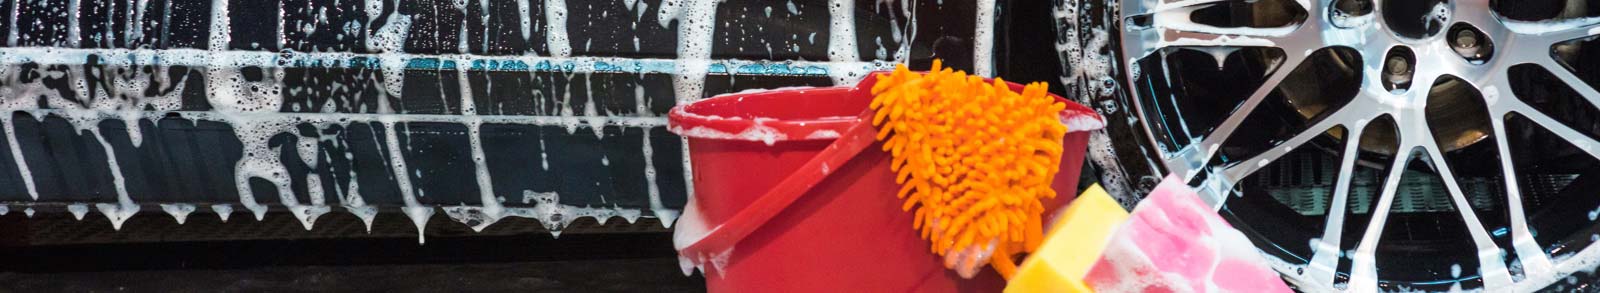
x: 179, y: 212
x: 247, y: 90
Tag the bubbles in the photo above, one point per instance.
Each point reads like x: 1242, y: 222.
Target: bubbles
x: 247, y: 91
x: 1108, y: 86
x: 983, y: 39
x: 491, y: 210
x: 842, y: 42
x: 555, y: 13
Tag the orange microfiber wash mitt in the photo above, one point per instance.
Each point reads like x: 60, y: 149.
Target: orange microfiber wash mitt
x: 973, y: 158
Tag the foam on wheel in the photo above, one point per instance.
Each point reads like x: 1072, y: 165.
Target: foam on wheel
x: 1363, y: 145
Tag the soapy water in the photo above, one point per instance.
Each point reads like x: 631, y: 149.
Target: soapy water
x: 1088, y: 65
x: 263, y: 89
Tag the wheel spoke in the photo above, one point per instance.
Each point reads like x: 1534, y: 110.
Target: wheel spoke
x: 1180, y: 4
x: 1491, y: 263
x: 1535, y: 264
x: 1363, y: 269
x: 1193, y: 158
x: 1325, y: 258
x: 1250, y: 166
x: 1173, y: 26
x: 1577, y: 138
x: 1478, y: 12
x: 1551, y: 32
x: 1571, y: 80
x: 1199, y: 35
x: 1176, y: 29
x: 1159, y: 26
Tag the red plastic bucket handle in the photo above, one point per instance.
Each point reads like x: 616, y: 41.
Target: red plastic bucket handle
x: 852, y: 142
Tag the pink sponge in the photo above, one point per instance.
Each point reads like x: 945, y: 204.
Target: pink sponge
x: 1174, y: 242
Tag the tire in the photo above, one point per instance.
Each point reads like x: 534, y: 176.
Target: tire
x: 1253, y: 102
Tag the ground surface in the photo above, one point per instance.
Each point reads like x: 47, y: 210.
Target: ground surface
x: 625, y: 275
x: 509, y: 261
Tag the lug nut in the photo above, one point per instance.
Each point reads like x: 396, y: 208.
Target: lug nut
x: 1471, y: 43
x: 1466, y: 39
x: 1397, y: 72
x: 1398, y: 66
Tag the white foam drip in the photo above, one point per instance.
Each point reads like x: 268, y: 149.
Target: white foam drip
x: 16, y: 154
x: 136, y: 21
x: 667, y: 216
x: 641, y: 107
x: 823, y: 134
x: 78, y: 210
x: 695, y: 28
x: 566, y: 110
x: 842, y: 42
x: 390, y: 39
x: 223, y: 211
x: 74, y: 31
x: 1082, y: 122
x: 306, y: 147
x: 11, y: 100
x: 418, y: 213
x: 696, y: 20
x: 544, y: 156
x: 11, y: 38
x: 555, y: 17
x: 1086, y: 64
x: 252, y: 106
x: 357, y: 205
x: 718, y: 260
x: 524, y: 12
x: 419, y: 216
x: 4, y: 209
x: 556, y: 216
x: 319, y: 203
x: 384, y: 59
x: 983, y: 40
x: 220, y: 26
x: 591, y: 113
x: 1552, y: 26
x: 491, y: 210
x: 179, y: 212
x: 124, y: 208
x: 691, y: 229
x: 462, y: 43
x: 756, y: 132
x: 29, y: 213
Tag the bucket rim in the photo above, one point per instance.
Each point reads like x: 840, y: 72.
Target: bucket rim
x: 684, y: 121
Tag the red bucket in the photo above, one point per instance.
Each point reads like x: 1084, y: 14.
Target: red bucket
x: 790, y: 197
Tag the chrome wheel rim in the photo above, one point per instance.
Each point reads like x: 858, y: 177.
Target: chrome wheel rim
x: 1153, y: 29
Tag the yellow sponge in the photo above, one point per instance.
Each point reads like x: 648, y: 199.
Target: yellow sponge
x: 1072, y: 245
